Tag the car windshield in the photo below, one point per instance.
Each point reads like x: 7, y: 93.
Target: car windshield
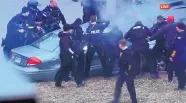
x: 179, y: 14
x: 48, y: 42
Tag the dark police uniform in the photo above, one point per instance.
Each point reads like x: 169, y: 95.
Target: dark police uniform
x: 169, y: 31
x: 159, y: 47
x: 127, y: 74
x: 68, y: 59
x: 78, y: 45
x: 95, y: 44
x: 179, y: 59
x: 34, y: 11
x: 111, y: 41
x: 53, y: 16
x: 137, y: 35
x: 13, y: 37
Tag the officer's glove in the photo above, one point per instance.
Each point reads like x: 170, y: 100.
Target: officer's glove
x: 21, y: 30
x: 85, y: 48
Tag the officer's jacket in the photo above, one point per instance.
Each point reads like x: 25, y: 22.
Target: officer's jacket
x: 180, y: 48
x: 170, y: 33
x: 95, y: 33
x: 127, y: 62
x: 54, y: 14
x: 137, y: 35
x: 13, y: 37
x: 65, y: 44
x: 78, y: 39
x: 158, y: 26
x: 34, y: 11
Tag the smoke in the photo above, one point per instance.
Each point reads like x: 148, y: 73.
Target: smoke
x: 124, y: 14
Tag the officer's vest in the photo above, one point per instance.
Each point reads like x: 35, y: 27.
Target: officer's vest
x: 138, y: 33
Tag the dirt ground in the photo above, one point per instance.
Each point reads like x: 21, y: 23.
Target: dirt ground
x: 99, y: 90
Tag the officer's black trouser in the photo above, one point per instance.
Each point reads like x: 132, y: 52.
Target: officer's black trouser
x: 130, y: 86
x: 146, y: 54
x: 170, y: 66
x: 89, y: 57
x: 110, y: 60
x: 87, y: 13
x: 79, y: 73
x: 65, y: 69
x: 180, y: 74
x: 155, y: 53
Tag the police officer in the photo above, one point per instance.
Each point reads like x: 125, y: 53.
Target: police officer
x: 53, y: 15
x: 178, y: 56
x: 16, y: 32
x: 169, y: 31
x: 111, y: 41
x: 137, y: 35
x: 33, y: 6
x: 159, y: 46
x: 127, y: 72
x: 95, y: 43
x: 35, y: 31
x: 87, y: 10
x: 78, y: 47
x: 67, y: 57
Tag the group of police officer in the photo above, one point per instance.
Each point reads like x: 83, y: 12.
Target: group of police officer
x: 30, y: 24
x: 169, y: 36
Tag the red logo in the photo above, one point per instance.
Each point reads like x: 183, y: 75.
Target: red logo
x: 164, y: 6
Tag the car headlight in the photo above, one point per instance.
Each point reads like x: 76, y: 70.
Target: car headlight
x: 85, y: 48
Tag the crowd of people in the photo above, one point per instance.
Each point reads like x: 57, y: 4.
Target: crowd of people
x: 170, y: 36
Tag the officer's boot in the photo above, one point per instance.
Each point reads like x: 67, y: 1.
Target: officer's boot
x: 58, y: 84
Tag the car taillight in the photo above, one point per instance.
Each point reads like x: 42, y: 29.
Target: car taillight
x: 33, y: 61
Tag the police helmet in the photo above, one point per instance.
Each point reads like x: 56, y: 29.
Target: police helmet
x: 33, y: 3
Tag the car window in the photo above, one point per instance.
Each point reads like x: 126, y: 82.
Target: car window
x: 179, y: 14
x: 48, y: 42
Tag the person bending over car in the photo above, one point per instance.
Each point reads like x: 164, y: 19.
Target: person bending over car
x: 68, y: 58
x: 35, y: 31
x: 17, y: 29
